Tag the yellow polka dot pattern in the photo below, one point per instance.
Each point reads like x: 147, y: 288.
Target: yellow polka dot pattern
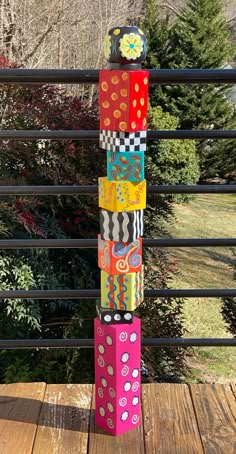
x: 123, y: 98
x: 115, y: 80
x: 114, y: 96
x: 117, y: 114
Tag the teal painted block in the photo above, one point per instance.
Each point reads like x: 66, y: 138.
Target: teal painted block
x: 125, y: 166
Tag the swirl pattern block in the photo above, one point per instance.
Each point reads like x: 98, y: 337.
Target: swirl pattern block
x: 121, y: 196
x: 118, y: 393
x: 123, y: 100
x: 125, y: 166
x: 119, y: 258
x: 124, y: 293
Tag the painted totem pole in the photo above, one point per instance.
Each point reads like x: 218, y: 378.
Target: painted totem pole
x: 122, y: 198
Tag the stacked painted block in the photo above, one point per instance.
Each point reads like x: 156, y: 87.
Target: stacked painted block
x: 123, y: 97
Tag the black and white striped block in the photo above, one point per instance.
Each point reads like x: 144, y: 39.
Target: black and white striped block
x: 123, y: 227
x: 123, y: 141
x: 113, y: 317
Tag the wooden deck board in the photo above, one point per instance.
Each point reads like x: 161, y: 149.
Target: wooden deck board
x: 58, y: 419
x: 64, y: 420
x: 215, y: 409
x: 169, y: 421
x: 20, y: 406
x: 100, y: 442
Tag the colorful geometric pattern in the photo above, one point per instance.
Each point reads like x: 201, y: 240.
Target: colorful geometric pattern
x: 125, y: 166
x: 123, y: 100
x: 117, y: 376
x: 122, y: 227
x: 121, y: 196
x: 122, y: 291
x: 119, y: 258
x: 123, y: 141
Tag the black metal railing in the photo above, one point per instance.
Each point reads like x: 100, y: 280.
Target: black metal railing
x: 36, y: 76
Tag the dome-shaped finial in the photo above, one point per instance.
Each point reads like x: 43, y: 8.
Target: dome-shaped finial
x: 125, y: 45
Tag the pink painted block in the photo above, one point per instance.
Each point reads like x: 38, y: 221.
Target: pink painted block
x: 117, y: 376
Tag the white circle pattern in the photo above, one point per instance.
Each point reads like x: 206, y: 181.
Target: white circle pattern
x: 127, y: 386
x: 135, y: 400
x: 125, y: 357
x: 124, y: 416
x: 101, y: 349
x: 104, y: 382
x: 109, y: 340
x: 112, y: 393
x: 102, y: 411
x: 135, y: 373
x: 110, y: 407
x: 110, y: 370
x: 133, y: 337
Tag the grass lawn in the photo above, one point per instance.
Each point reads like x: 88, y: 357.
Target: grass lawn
x: 206, y: 216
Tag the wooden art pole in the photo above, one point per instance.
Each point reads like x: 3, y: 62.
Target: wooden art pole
x: 123, y: 97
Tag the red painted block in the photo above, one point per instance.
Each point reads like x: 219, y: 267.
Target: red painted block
x: 123, y: 99
x: 119, y: 258
x: 117, y: 376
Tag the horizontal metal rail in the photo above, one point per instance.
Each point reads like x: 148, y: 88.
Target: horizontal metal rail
x: 93, y: 189
x: 93, y: 243
x: 15, y: 344
x: 9, y: 134
x: 96, y: 293
x: 90, y: 76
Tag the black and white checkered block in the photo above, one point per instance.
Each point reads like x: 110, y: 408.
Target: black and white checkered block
x: 123, y: 141
x: 114, y: 317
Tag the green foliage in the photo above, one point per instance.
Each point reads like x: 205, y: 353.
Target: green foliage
x: 221, y: 158
x: 157, y: 33
x: 199, y: 38
x: 171, y: 161
x: 229, y: 307
x: 63, y: 162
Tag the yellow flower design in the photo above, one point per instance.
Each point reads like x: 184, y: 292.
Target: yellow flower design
x: 131, y: 46
x: 107, y: 46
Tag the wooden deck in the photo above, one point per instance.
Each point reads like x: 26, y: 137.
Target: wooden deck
x: 55, y: 419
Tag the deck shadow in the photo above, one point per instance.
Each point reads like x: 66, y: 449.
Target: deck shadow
x: 45, y: 414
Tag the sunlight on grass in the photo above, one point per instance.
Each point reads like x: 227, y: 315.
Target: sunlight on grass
x: 206, y: 216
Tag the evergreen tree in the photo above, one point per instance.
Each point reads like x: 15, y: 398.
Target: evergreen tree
x: 198, y: 39
x: 157, y: 31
